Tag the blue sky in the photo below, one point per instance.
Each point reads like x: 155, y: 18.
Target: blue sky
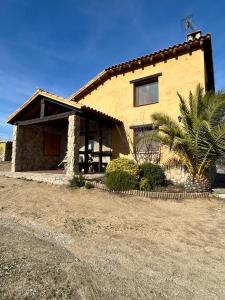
x: 59, y: 45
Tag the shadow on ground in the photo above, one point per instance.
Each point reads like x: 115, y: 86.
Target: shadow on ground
x: 220, y: 181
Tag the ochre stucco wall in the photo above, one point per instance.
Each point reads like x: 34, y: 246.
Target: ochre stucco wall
x: 115, y: 96
x: 5, y: 150
x: 2, y: 151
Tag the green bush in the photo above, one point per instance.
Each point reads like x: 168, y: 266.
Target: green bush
x: 121, y: 181
x: 144, y: 184
x: 154, y: 174
x: 123, y: 164
x: 77, y: 181
x: 89, y: 185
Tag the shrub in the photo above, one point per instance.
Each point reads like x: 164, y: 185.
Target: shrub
x: 154, y: 174
x: 89, y: 185
x: 77, y: 181
x: 123, y: 164
x: 144, y: 184
x: 121, y: 181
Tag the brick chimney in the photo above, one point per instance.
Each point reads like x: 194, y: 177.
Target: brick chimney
x: 194, y: 35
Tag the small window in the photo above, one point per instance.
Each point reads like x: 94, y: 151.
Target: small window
x: 146, y: 93
x: 146, y: 90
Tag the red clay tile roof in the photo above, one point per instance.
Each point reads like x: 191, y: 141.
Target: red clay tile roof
x: 88, y: 109
x: 139, y: 62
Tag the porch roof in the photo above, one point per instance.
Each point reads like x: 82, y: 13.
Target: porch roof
x: 80, y: 109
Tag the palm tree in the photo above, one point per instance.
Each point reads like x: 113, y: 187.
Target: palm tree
x: 197, y: 139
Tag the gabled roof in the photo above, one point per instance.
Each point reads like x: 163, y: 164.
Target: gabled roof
x: 71, y: 104
x: 41, y: 92
x: 140, y: 62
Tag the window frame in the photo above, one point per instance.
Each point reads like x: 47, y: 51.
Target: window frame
x: 148, y: 155
x: 143, y: 81
x: 141, y: 128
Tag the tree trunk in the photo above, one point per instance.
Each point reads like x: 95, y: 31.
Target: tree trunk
x: 198, y: 184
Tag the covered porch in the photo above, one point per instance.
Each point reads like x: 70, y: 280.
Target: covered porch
x: 60, y: 137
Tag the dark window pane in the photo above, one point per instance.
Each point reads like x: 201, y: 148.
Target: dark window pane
x: 154, y: 93
x: 143, y: 94
x: 146, y: 93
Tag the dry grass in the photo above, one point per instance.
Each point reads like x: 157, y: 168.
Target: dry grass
x: 104, y: 246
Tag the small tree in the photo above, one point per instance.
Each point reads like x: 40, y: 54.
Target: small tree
x: 198, y: 139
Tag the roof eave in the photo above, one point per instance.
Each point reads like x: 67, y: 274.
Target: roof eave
x: 40, y: 92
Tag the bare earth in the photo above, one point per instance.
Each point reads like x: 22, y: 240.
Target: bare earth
x: 62, y: 243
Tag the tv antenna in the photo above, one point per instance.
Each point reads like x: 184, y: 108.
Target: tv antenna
x: 188, y: 23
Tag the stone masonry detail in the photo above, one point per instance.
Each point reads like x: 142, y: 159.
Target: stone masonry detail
x: 73, y: 143
x: 16, y: 151
x: 28, y: 152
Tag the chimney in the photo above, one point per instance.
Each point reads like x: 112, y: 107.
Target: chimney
x: 194, y: 35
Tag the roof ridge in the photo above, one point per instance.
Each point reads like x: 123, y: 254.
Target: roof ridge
x: 43, y: 93
x: 202, y: 37
x: 147, y: 59
x: 50, y: 93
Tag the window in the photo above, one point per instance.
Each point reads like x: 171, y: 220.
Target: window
x: 146, y: 94
x: 145, y: 149
x: 146, y: 90
x: 141, y: 141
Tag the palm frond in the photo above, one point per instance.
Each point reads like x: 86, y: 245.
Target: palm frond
x: 199, y: 140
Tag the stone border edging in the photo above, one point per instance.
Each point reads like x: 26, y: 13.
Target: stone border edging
x: 60, y: 180
x: 154, y: 195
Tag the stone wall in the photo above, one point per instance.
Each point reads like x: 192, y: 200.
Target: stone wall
x: 73, y: 145
x: 179, y: 175
x: 17, y: 139
x: 8, y: 151
x: 28, y: 147
x: 176, y: 175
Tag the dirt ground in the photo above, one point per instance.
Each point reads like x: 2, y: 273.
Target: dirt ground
x: 63, y: 243
x: 5, y: 166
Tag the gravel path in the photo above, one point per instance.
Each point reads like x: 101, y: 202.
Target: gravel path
x: 60, y: 243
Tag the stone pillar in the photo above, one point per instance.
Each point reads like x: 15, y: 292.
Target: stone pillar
x: 17, y: 148
x: 73, y: 144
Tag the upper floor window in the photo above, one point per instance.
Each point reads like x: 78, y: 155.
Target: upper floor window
x: 146, y: 90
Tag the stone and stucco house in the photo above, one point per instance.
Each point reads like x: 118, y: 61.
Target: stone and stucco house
x: 102, y: 120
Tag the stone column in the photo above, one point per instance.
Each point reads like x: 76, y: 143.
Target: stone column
x: 17, y: 148
x: 73, y: 143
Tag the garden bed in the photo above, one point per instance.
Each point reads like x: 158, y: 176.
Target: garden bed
x: 157, y: 194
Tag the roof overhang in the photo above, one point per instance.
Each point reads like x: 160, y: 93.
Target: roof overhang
x: 81, y: 110
x: 39, y: 93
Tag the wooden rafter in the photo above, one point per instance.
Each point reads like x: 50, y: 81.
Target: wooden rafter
x: 45, y: 119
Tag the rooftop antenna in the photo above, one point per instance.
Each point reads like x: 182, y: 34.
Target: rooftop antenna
x: 188, y: 24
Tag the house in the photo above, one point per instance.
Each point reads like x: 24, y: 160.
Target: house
x: 5, y: 150
x: 104, y: 119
